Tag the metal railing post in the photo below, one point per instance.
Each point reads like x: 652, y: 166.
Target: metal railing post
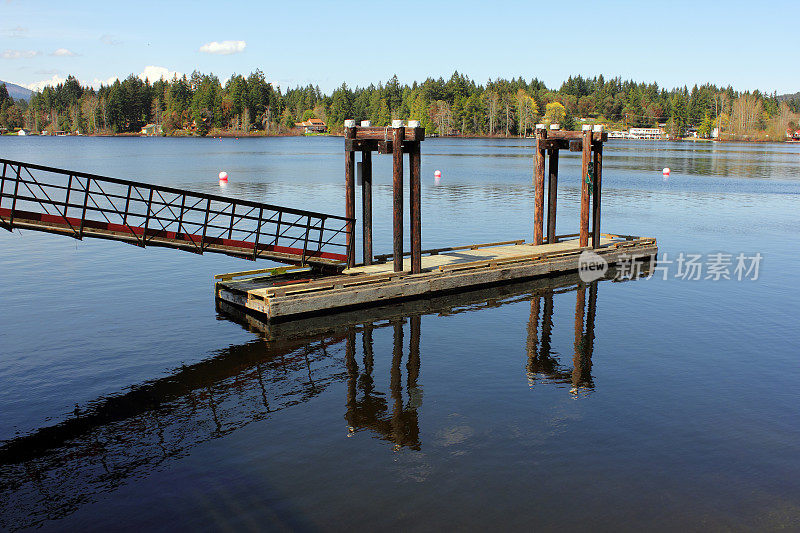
x: 14, y: 200
x: 85, y: 203
x: 147, y: 218
x: 233, y: 214
x: 205, y: 225
x: 305, y: 240
x: 66, y: 201
x: 258, y: 233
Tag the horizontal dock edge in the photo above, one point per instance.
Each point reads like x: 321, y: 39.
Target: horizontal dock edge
x: 405, y: 286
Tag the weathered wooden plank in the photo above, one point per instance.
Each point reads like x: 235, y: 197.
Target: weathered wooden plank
x: 385, y: 134
x: 434, y: 251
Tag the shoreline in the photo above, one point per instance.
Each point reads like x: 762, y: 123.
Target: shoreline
x: 238, y: 135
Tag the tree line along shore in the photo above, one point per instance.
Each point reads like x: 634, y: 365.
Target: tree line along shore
x: 201, y: 105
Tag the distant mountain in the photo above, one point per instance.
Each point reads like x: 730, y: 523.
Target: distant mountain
x: 17, y: 92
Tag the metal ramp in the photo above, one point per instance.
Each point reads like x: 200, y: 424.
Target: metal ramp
x: 77, y: 204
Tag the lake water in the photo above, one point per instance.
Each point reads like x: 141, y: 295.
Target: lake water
x: 128, y: 401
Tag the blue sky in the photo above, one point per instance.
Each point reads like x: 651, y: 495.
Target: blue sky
x: 749, y: 45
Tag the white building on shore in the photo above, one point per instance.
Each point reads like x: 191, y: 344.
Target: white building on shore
x: 638, y: 133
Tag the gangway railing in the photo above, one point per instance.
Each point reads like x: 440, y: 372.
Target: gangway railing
x: 78, y: 204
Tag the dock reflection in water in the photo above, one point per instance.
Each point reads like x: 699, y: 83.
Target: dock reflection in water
x: 52, y: 472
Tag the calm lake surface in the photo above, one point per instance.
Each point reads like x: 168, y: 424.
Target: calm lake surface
x: 127, y: 401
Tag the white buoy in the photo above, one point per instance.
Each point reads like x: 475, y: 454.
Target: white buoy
x: 223, y: 176
x: 665, y: 171
x: 437, y: 174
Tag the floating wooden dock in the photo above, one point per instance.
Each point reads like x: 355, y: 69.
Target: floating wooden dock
x: 294, y: 293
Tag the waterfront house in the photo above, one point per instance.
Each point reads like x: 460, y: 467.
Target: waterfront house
x: 23, y: 132
x: 152, y: 129
x: 312, y: 125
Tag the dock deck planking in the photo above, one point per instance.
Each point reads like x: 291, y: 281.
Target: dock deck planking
x: 295, y: 294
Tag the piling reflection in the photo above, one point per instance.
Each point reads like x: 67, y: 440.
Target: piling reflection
x: 52, y: 472
x: 366, y: 407
x: 543, y: 364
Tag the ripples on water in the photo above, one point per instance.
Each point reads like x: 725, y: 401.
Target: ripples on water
x: 126, y: 399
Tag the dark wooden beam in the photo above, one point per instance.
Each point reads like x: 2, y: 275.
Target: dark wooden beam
x: 366, y: 205
x: 566, y: 144
x: 597, y: 187
x: 350, y: 199
x: 552, y: 195
x: 586, y: 157
x: 359, y: 145
x: 415, y: 205
x: 576, y: 135
x: 397, y: 199
x: 385, y: 134
x: 538, y: 187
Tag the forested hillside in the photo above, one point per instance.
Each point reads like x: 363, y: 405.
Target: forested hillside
x: 201, y: 104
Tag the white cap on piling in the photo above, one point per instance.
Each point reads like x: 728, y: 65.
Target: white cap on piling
x: 413, y: 123
x: 366, y: 123
x: 555, y: 126
x: 586, y: 127
x: 397, y: 123
x: 598, y: 127
x: 540, y: 126
x: 350, y: 123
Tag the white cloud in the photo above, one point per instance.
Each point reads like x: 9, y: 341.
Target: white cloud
x: 151, y: 72
x: 39, y: 85
x: 97, y: 82
x: 19, y: 54
x: 56, y: 79
x: 109, y: 39
x: 224, y: 48
x: 63, y: 52
x: 154, y: 73
x: 17, y: 32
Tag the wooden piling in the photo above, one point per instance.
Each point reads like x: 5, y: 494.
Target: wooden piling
x: 552, y: 194
x: 585, y: 161
x: 538, y: 186
x: 397, y: 197
x: 414, y: 157
x: 596, y: 195
x: 350, y: 197
x: 366, y: 204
